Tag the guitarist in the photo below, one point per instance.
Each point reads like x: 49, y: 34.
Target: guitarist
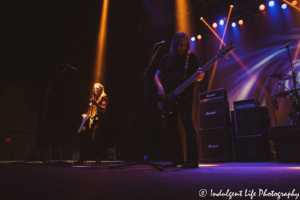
x: 176, y: 67
x: 94, y: 125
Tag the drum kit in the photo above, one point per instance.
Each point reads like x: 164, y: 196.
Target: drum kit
x: 292, y: 95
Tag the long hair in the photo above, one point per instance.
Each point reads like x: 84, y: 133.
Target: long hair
x: 102, y: 93
x: 174, y: 44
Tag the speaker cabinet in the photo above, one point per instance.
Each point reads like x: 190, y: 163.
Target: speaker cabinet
x: 254, y: 120
x: 252, y: 148
x: 213, y: 115
x: 216, y: 146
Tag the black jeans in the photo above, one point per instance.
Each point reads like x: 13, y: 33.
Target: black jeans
x: 96, y: 135
x: 184, y: 109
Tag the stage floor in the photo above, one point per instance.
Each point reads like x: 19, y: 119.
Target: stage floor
x: 265, y: 180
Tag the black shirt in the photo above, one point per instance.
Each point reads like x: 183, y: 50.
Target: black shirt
x: 173, y: 70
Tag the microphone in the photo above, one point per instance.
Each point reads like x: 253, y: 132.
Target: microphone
x: 72, y: 67
x: 162, y: 42
x: 290, y: 43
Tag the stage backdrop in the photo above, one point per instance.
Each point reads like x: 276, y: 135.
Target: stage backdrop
x: 258, y: 53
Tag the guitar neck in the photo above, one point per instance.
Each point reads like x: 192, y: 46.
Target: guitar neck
x: 186, y: 83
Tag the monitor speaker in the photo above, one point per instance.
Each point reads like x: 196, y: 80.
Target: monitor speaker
x: 213, y: 115
x: 216, y: 146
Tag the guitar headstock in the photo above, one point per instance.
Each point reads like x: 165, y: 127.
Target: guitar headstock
x: 222, y: 53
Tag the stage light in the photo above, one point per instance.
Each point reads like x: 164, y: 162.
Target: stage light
x: 215, y: 25
x: 221, y: 22
x: 201, y: 18
x: 231, y: 6
x: 192, y: 38
x: 233, y: 24
x: 262, y: 7
x: 199, y: 37
x: 294, y: 3
x: 271, y: 3
x: 241, y: 22
x: 284, y: 6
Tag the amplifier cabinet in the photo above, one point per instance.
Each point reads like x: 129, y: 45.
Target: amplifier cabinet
x: 253, y: 120
x: 252, y: 148
x: 214, y: 95
x: 216, y: 146
x: 213, y: 115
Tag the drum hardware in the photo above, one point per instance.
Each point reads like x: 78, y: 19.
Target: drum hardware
x: 274, y: 102
x: 292, y: 95
x: 281, y: 76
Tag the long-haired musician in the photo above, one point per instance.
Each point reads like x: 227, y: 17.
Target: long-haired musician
x: 94, y: 125
x: 176, y: 67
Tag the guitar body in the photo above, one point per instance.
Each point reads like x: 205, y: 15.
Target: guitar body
x: 166, y: 106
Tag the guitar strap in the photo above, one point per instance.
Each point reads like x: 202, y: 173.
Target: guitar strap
x: 186, y: 64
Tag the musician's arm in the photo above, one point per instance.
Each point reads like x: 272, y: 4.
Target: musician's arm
x: 103, y: 106
x: 157, y: 81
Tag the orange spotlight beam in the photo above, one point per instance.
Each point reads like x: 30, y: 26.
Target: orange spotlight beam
x: 233, y: 54
x: 291, y: 4
x: 210, y: 28
x: 100, y: 58
x: 215, y: 65
x: 183, y: 21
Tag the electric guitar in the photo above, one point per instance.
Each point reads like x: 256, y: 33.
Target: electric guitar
x: 166, y: 106
x: 84, y: 120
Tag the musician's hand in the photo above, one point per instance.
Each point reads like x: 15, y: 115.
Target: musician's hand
x: 93, y: 101
x: 200, y: 76
x: 83, y: 116
x: 161, y: 93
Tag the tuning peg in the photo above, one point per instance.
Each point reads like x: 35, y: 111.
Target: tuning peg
x: 223, y: 48
x: 219, y: 50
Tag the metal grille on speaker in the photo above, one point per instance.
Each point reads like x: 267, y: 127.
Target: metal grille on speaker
x: 252, y: 148
x: 253, y: 120
x: 215, y: 146
x: 213, y: 115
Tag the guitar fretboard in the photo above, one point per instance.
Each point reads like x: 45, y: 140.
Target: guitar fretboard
x: 186, y: 83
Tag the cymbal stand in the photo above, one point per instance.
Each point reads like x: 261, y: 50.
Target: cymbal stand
x: 274, y: 103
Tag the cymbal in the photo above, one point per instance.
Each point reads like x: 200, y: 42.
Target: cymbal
x: 285, y: 93
x: 281, y: 76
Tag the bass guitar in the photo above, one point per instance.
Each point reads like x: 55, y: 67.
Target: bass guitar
x: 84, y: 119
x: 166, y: 106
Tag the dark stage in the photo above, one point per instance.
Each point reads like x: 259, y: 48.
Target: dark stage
x: 91, y: 181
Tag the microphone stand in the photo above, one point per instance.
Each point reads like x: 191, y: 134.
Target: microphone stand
x: 296, y: 107
x: 42, y: 140
x: 145, y: 157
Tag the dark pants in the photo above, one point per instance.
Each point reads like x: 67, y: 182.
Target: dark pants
x: 96, y: 135
x: 185, y: 112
